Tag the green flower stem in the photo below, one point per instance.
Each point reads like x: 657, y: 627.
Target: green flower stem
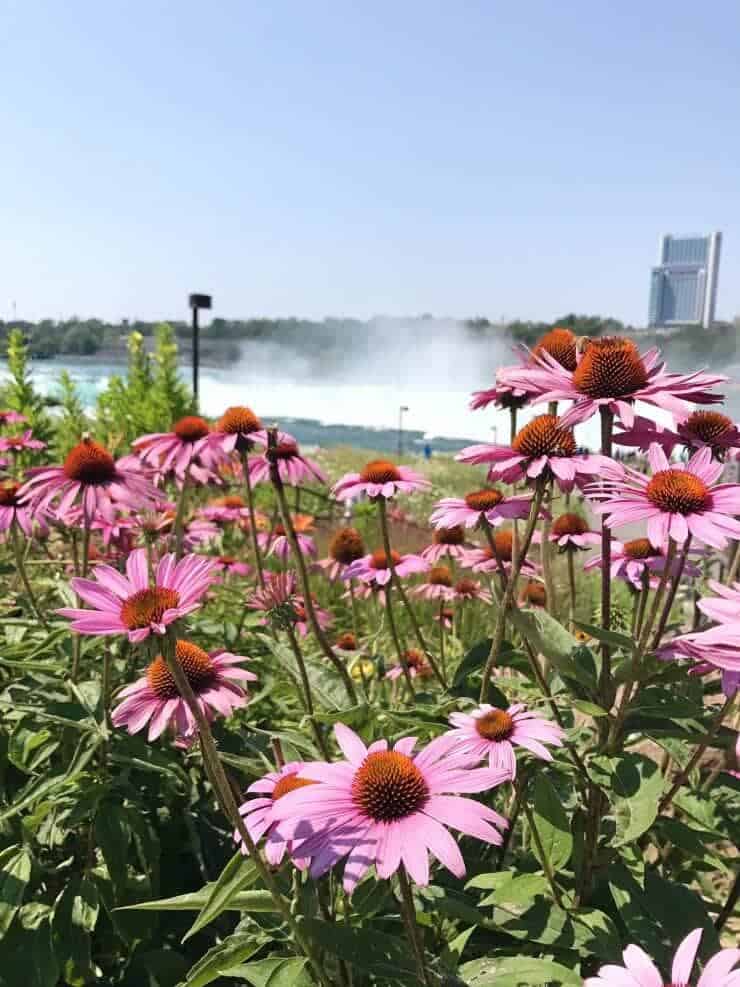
x: 657, y: 599
x: 397, y: 643
x: 508, y: 597
x: 549, y: 874
x: 300, y: 562
x: 307, y: 695
x: 395, y: 579
x: 355, y: 616
x: 729, y: 906
x: 252, y: 519
x: 180, y: 516
x: 672, y: 593
x: 683, y: 775
x: 605, y: 683
x: 408, y: 912
x: 734, y: 565
x: 570, y: 557
x: 224, y: 794
x: 20, y: 562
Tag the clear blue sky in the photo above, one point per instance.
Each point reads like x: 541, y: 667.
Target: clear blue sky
x: 362, y: 156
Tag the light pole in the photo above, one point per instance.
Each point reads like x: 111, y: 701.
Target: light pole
x: 196, y: 303
x: 401, y: 410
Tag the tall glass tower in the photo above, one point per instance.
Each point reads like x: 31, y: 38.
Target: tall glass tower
x: 683, y: 286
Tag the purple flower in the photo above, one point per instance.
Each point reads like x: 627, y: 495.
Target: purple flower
x: 131, y: 605
x: 611, y: 372
x: 258, y: 812
x: 640, y: 971
x: 293, y: 467
x: 544, y: 447
x: 489, y: 732
x: 379, y: 478
x: 189, y: 449
x: 386, y: 807
x: 90, y: 476
x: 489, y: 505
x: 154, y: 698
x: 376, y: 569
x: 677, y: 501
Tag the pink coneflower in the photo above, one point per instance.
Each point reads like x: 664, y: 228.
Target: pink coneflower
x: 640, y: 971
x: 154, y: 698
x: 376, y: 569
x: 345, y: 548
x: 323, y: 618
x: 131, y: 605
x: 446, y: 543
x: 12, y: 511
x: 278, y: 595
x: 559, y: 343
x: 631, y: 559
x: 471, y: 589
x: 258, y: 812
x: 226, y: 509
x: 293, y: 467
x: 237, y: 430
x: 11, y: 418
x: 282, y: 605
x: 489, y: 732
x: 231, y: 566
x: 417, y: 664
x: 716, y: 649
x: 489, y: 505
x: 21, y: 443
x: 387, y: 808
x: 678, y: 499
x: 698, y: 430
x: 346, y: 644
x: 276, y: 542
x: 544, y: 447
x: 89, y: 476
x: 533, y: 594
x: 571, y: 532
x: 379, y: 478
x: 485, y: 560
x: 445, y: 617
x: 198, y: 532
x: 611, y: 372
x: 188, y: 449
x: 438, y: 585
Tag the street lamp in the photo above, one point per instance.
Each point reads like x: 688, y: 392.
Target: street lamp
x: 196, y: 303
x: 400, y: 429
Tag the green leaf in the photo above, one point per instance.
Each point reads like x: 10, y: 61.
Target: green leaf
x: 112, y: 836
x: 238, y: 874
x: 658, y: 702
x: 75, y: 918
x: 552, y: 824
x: 614, y: 638
x: 452, y: 952
x: 637, y: 786
x: 368, y: 950
x: 590, y: 709
x: 545, y: 634
x: 274, y: 972
x: 517, y: 971
x: 15, y: 871
x: 26, y: 952
x: 221, y: 959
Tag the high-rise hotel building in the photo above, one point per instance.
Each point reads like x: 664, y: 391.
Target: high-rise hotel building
x: 683, y: 286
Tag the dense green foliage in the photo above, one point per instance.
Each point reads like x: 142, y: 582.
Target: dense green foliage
x: 117, y: 864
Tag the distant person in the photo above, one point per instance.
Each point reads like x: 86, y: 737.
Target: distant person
x: 427, y: 452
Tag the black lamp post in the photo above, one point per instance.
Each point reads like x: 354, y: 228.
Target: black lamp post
x: 197, y: 302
